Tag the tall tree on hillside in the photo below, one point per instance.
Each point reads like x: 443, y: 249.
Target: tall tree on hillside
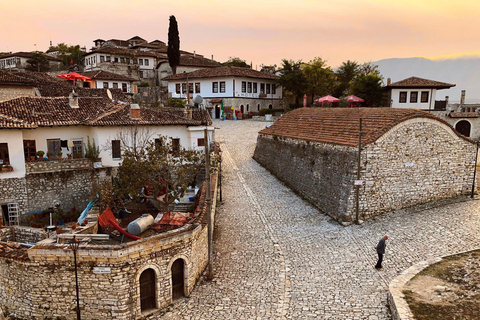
x: 293, y: 79
x: 236, y: 62
x: 320, y: 78
x: 345, y: 75
x: 368, y: 87
x: 173, y: 50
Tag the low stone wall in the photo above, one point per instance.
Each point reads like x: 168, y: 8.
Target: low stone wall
x: 6, y: 234
x: 11, y: 92
x: 57, y: 165
x: 28, y: 235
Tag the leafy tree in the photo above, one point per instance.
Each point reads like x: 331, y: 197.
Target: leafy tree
x: 368, y: 68
x: 293, y: 79
x: 369, y: 88
x: 345, y: 75
x: 173, y: 50
x: 176, y: 103
x: 319, y: 77
x: 68, y: 54
x: 38, y: 62
x: 236, y: 62
x: 162, y: 166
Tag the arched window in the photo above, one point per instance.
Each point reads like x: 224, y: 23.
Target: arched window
x: 270, y: 107
x: 463, y: 127
x: 242, y: 109
x: 248, y: 107
x: 147, y: 290
x: 258, y: 107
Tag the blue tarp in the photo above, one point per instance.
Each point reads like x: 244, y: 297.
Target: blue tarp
x: 82, y: 217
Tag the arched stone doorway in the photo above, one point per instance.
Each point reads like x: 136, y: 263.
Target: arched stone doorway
x: 178, y: 269
x: 463, y: 127
x: 147, y: 290
x: 242, y: 109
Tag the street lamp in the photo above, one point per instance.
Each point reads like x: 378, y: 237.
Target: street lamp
x: 74, y: 244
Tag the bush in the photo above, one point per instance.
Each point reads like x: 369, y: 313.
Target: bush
x: 144, y: 84
x: 92, y: 151
x: 176, y: 103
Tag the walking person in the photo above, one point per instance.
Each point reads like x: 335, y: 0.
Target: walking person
x: 381, y: 251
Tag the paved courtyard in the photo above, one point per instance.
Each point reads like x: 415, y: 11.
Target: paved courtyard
x: 277, y: 257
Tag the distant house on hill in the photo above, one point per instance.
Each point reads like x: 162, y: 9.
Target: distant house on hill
x: 240, y: 90
x: 12, y: 86
x: 109, y: 80
x: 408, y: 157
x: 18, y: 61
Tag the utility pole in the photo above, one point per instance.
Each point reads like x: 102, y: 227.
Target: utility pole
x: 208, y: 200
x: 357, y: 186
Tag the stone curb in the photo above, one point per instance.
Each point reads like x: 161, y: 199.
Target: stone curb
x: 396, y: 299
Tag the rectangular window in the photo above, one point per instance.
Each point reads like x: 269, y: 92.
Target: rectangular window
x: 77, y: 150
x: 197, y: 87
x: 124, y: 87
x: 105, y: 85
x: 158, y: 144
x: 177, y: 88
x: 215, y: 87
x: 140, y: 62
x: 53, y: 146
x: 249, y: 87
x: 274, y: 88
x: 244, y: 86
x: 413, y: 97
x: 262, y: 88
x: 201, y: 142
x: 175, y: 145
x: 254, y: 87
x: 4, y: 157
x: 268, y: 88
x: 115, y: 59
x: 403, y: 97
x: 190, y: 87
x: 29, y: 149
x: 107, y: 58
x: 102, y: 58
x: 115, y: 85
x: 222, y: 87
x: 184, y: 88
x: 116, y: 152
x: 424, y: 97
x: 122, y: 59
x: 146, y: 62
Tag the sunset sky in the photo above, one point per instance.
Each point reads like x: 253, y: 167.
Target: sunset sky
x: 261, y: 31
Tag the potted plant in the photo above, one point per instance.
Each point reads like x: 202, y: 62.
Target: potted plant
x: 59, y: 154
x: 69, y: 156
x: 77, y: 155
x: 32, y: 158
x: 40, y: 154
x: 49, y: 155
x: 7, y: 168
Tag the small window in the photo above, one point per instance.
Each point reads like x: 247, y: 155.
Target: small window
x: 254, y: 87
x: 77, y: 149
x: 107, y: 58
x: 175, y: 145
x: 140, y: 62
x: 274, y: 89
x: 424, y: 97
x: 177, y: 88
x: 115, y: 85
x: 105, y: 85
x: 413, y: 97
x: 115, y: 59
x: 270, y: 107
x: 102, y: 58
x: 201, y: 142
x: 122, y: 59
x: 403, y: 97
x: 244, y: 86
x: 248, y: 107
x: 158, y: 144
x: 222, y: 87
x: 146, y: 62
x: 190, y: 88
x: 29, y: 149
x: 215, y: 87
x: 124, y: 87
x: 258, y: 107
x: 249, y: 87
x: 262, y: 88
x: 197, y: 87
x: 116, y: 152
x: 184, y: 88
x: 4, y: 157
x: 268, y: 88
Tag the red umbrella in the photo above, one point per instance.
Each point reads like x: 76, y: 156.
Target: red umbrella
x: 73, y: 76
x: 327, y: 99
x: 304, y: 100
x: 353, y: 98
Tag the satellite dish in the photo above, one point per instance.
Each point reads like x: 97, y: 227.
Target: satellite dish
x: 198, y: 99
x: 109, y: 94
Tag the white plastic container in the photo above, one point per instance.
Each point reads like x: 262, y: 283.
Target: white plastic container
x: 139, y: 225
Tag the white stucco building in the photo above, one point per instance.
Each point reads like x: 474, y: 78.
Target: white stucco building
x: 242, y: 90
x: 18, y: 61
x: 108, y: 80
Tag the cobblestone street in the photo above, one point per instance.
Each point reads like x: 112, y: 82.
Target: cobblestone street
x: 277, y: 257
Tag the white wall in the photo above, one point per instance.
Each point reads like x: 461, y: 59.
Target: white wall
x: 15, y: 153
x: 395, y: 97
x: 99, y: 84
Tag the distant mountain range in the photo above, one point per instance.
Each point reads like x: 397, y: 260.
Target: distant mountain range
x: 464, y: 72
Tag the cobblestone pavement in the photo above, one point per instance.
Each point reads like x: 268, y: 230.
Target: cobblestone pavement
x: 277, y: 257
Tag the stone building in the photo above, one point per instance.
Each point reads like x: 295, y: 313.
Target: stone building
x: 17, y: 61
x: 12, y: 86
x: 408, y: 157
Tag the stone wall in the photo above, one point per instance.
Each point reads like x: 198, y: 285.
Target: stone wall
x: 14, y: 190
x: 321, y: 173
x: 252, y: 104
x: 7, y: 234
x: 11, y: 92
x: 418, y: 161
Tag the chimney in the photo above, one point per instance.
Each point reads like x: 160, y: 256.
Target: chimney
x: 446, y: 100
x: 135, y: 111
x: 462, y: 98
x: 73, y: 100
x: 212, y: 56
x: 389, y: 81
x: 187, y: 113
x: 194, y: 53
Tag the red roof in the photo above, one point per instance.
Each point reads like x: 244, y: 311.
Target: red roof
x: 415, y: 82
x: 30, y: 55
x: 341, y: 125
x: 105, y: 75
x: 223, y: 72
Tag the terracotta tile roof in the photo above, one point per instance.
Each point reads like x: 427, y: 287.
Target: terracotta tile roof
x: 13, y: 250
x: 196, y: 61
x: 29, y: 55
x: 223, y: 72
x: 124, y: 52
x: 13, y: 78
x: 38, y: 111
x: 105, y: 75
x: 415, y: 82
x: 341, y: 125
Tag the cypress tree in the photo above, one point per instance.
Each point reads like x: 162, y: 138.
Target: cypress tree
x: 173, y: 51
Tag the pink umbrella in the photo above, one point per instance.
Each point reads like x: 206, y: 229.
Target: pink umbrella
x: 304, y: 100
x: 328, y: 99
x: 353, y: 98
